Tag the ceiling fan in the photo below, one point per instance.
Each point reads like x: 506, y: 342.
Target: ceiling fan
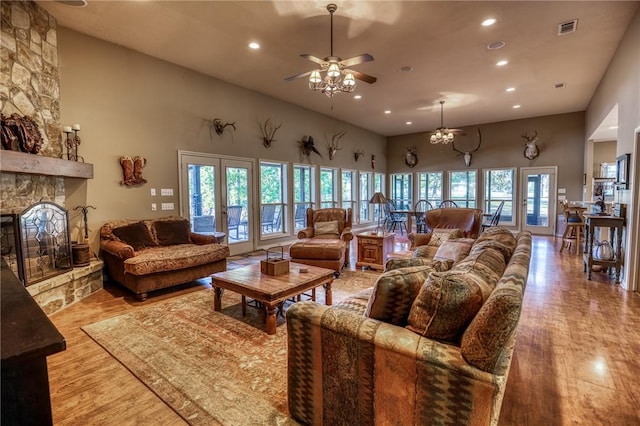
x: 443, y: 134
x: 338, y: 78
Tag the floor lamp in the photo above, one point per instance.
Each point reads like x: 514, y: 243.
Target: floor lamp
x: 378, y: 198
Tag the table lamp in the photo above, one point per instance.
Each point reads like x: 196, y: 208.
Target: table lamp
x: 378, y: 198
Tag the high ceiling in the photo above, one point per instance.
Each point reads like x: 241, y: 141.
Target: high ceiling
x: 443, y: 42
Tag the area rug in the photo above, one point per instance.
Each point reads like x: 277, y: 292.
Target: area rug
x: 212, y: 368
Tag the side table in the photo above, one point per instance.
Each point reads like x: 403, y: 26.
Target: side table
x: 615, y: 225
x: 373, y: 249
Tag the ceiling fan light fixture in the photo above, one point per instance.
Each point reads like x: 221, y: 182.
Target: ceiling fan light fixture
x: 442, y: 134
x: 333, y: 71
x: 349, y: 81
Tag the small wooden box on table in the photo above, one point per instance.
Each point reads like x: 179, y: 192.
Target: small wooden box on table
x: 271, y: 290
x: 373, y: 249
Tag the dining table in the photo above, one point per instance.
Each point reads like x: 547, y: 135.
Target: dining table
x: 410, y: 214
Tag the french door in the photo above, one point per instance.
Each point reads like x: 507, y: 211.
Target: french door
x: 538, y: 199
x: 216, y: 194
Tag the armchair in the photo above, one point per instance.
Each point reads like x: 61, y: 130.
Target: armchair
x: 326, y: 239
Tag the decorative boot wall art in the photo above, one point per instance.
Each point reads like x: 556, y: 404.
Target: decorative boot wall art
x: 132, y: 170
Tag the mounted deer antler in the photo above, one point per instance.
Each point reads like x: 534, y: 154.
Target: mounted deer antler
x: 467, y: 154
x: 334, y: 145
x: 217, y: 125
x: 357, y: 154
x: 268, y: 131
x: 531, y: 150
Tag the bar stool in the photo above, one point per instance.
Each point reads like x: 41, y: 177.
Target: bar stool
x: 574, y: 229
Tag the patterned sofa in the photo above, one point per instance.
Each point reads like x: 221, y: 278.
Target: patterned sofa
x: 153, y: 254
x: 426, y: 345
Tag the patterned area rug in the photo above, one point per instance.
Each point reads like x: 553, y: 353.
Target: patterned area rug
x: 212, y: 368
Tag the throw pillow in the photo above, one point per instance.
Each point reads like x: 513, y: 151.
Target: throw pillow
x: 505, y: 240
x: 170, y: 233
x: 394, y: 292
x: 425, y: 251
x: 454, y: 249
x: 330, y: 227
x: 137, y: 235
x: 440, y: 235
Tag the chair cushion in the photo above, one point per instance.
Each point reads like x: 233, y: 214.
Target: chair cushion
x: 320, y: 249
x: 136, y: 234
x: 454, y: 249
x: 162, y: 259
x: 330, y: 227
x: 438, y: 265
x: 394, y: 292
x: 171, y: 232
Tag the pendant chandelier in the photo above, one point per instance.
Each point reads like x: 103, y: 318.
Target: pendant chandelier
x: 442, y: 134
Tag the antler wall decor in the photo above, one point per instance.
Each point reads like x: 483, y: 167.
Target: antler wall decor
x: 467, y: 154
x: 531, y: 150
x: 218, y: 126
x: 357, y: 154
x: 268, y: 131
x: 334, y: 145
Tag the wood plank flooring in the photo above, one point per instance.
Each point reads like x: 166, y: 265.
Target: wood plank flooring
x: 577, y: 356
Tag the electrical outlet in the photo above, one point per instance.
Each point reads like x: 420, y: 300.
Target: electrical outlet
x: 154, y: 207
x: 167, y: 206
x: 166, y: 192
x: 153, y: 192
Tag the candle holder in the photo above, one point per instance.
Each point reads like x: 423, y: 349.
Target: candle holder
x: 76, y: 142
x: 68, y: 143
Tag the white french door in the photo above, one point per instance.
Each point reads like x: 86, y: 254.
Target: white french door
x: 538, y: 199
x: 216, y: 195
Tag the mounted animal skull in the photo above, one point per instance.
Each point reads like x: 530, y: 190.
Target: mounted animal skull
x: 468, y: 154
x: 357, y: 154
x: 531, y: 150
x: 334, y: 145
x: 268, y: 131
x: 411, y: 157
x: 218, y: 126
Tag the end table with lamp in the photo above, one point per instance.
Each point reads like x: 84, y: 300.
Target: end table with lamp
x: 374, y: 247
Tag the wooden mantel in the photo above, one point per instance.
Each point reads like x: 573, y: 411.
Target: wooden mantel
x: 20, y: 162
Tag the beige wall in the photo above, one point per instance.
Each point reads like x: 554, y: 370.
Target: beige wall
x: 131, y: 104
x: 603, y: 152
x: 561, y: 143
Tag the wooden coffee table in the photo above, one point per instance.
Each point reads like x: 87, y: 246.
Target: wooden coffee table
x: 271, y: 290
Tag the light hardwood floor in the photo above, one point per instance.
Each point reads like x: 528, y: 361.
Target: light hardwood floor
x: 577, y: 356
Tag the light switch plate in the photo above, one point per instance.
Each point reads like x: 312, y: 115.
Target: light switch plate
x: 166, y: 192
x: 153, y: 192
x: 154, y: 207
x: 167, y: 206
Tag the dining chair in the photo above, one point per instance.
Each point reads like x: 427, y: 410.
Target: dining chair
x: 393, y: 219
x: 233, y: 219
x: 495, y: 217
x: 447, y: 203
x: 421, y: 208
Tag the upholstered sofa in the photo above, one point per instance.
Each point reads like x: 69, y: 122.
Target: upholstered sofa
x: 426, y: 345
x: 326, y: 239
x: 146, y: 255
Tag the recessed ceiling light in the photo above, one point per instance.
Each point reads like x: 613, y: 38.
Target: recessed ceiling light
x: 76, y: 3
x: 406, y: 68
x: 516, y: 106
x: 613, y: 127
x: 357, y: 97
x: 496, y: 45
x: 254, y: 45
x: 388, y: 111
x: 559, y: 85
x: 408, y: 123
x: 488, y: 22
x: 511, y: 89
x: 502, y: 63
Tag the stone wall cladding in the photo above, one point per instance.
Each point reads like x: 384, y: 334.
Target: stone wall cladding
x: 30, y: 77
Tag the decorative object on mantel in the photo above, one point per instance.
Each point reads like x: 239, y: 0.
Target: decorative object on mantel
x: 268, y: 131
x: 334, y: 145
x: 20, y: 133
x: 442, y: 134
x: 411, y: 157
x: 218, y: 126
x: 531, y: 150
x: 357, y: 154
x: 467, y: 154
x: 307, y: 146
x: 337, y: 77
x: 72, y: 143
x: 132, y: 170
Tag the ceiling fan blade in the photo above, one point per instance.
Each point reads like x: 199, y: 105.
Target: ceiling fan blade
x: 297, y: 76
x: 363, y: 77
x: 365, y: 57
x: 313, y: 59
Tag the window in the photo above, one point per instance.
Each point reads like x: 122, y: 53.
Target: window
x: 463, y: 188
x: 499, y: 185
x: 365, y: 195
x: 608, y: 170
x: 202, y: 196
x: 430, y: 187
x: 378, y: 186
x: 302, y: 194
x: 401, y: 191
x: 272, y: 198
x: 348, y: 189
x: 328, y: 187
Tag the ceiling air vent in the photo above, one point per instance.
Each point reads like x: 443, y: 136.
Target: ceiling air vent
x: 559, y: 85
x: 567, y: 27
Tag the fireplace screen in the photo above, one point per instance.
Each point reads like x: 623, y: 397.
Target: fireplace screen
x: 43, y: 245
